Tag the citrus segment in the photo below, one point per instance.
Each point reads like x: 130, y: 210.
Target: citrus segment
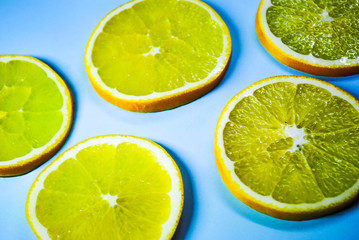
x: 307, y: 102
x: 317, y: 37
x: 333, y: 175
x: 151, y: 55
x: 287, y: 146
x: 261, y: 172
x: 297, y: 185
x: 338, y: 114
x: 109, y: 187
x: 35, y: 113
x: 278, y: 100
x: 341, y: 146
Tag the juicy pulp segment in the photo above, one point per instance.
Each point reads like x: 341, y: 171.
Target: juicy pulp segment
x: 288, y: 138
x: 326, y: 29
x: 157, y: 45
x: 120, y: 191
x: 30, y: 108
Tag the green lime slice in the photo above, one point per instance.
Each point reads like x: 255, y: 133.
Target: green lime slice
x: 295, y: 141
x: 328, y: 30
x: 35, y: 113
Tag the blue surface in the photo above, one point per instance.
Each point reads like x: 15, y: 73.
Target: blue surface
x: 57, y: 32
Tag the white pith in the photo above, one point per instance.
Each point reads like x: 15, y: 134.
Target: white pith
x: 176, y: 193
x: 297, y: 134
x: 222, y: 60
x: 110, y: 199
x: 309, y: 59
x: 268, y: 201
x: 153, y: 51
x: 65, y: 110
x: 326, y: 17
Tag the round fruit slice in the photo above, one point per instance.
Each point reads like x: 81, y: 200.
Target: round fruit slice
x: 316, y: 37
x: 288, y: 147
x: 153, y: 55
x: 36, y: 113
x: 107, y: 187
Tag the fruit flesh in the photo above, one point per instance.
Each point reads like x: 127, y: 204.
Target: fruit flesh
x: 157, y: 45
x: 328, y: 30
x: 30, y: 108
x: 287, y: 139
x: 118, y: 192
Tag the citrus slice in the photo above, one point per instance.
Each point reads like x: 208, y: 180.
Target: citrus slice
x: 153, y: 55
x: 36, y: 113
x: 317, y: 37
x: 107, y: 187
x: 287, y: 147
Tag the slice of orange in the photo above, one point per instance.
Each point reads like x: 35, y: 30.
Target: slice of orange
x: 153, y: 55
x: 316, y: 37
x: 287, y: 147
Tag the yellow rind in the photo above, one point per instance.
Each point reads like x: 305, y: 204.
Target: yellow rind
x: 266, y: 208
x: 294, y: 62
x: 27, y: 206
x: 168, y: 101
x: 30, y: 164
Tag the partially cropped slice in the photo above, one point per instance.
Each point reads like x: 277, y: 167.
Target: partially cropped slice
x: 288, y: 147
x: 107, y: 187
x: 316, y: 37
x: 36, y: 113
x: 153, y: 55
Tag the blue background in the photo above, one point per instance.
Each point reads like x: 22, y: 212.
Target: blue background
x: 57, y: 32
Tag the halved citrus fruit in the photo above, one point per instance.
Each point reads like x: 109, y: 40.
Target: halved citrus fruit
x: 36, y: 113
x: 316, y: 37
x: 153, y: 55
x: 107, y: 187
x: 288, y: 147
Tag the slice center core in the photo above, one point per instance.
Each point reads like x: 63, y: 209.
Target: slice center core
x: 326, y: 17
x: 109, y: 198
x: 297, y: 134
x: 153, y: 51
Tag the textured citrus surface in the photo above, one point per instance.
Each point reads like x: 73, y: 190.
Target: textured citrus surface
x: 287, y: 146
x: 320, y: 34
x: 147, y: 54
x: 110, y: 187
x: 35, y: 113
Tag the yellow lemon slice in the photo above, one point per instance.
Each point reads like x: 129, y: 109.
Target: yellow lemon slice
x: 107, y: 187
x: 153, y: 55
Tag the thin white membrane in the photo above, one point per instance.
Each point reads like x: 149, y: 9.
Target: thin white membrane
x: 268, y: 200
x: 222, y: 60
x: 66, y: 105
x: 163, y: 159
x: 310, y: 59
